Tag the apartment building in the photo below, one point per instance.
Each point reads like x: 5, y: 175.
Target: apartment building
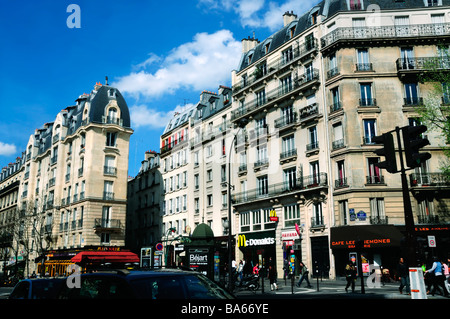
x: 10, y: 177
x: 174, y: 168
x: 314, y: 95
x: 143, y: 222
x: 210, y: 145
x: 73, y: 191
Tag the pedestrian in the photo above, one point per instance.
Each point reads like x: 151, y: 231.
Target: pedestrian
x: 439, y: 277
x: 350, y: 276
x: 256, y: 269
x: 304, y: 272
x: 241, y: 270
x: 272, y: 275
x: 403, y: 274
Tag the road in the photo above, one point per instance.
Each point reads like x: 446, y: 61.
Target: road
x: 328, y: 289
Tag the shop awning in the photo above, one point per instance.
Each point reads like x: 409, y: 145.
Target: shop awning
x: 368, y: 236
x: 106, y: 256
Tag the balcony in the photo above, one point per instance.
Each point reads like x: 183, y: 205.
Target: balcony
x: 277, y: 66
x: 177, y: 143
x: 274, y: 96
x: 288, y: 155
x: 375, y: 180
x: 286, y: 121
x: 416, y: 65
x: 392, y: 33
x: 429, y: 180
x: 303, y: 184
x: 111, y: 225
x: 110, y: 171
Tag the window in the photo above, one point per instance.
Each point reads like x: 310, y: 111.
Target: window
x: 290, y: 178
x: 315, y: 173
x: 286, y: 84
x: 366, y: 95
x: 108, y: 190
x: 309, y: 72
x: 111, y: 138
x: 407, y: 58
x: 196, y: 181
x: 377, y: 209
x: 343, y: 210
x: 335, y: 98
x: 209, y: 175
x: 287, y: 55
x: 109, y: 165
x: 341, y: 179
x: 261, y: 155
x: 411, y: 94
x: 374, y: 172
x: 332, y: 66
x: 260, y: 97
x: 291, y: 215
x: 209, y: 199
x: 313, y: 142
x: 256, y: 214
x: 355, y: 5
x: 338, y: 136
x: 317, y: 219
x: 288, y: 145
x: 363, y: 60
x: 244, y: 219
x: 263, y: 186
x: 369, y: 130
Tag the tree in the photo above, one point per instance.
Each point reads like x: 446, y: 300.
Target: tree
x: 435, y: 111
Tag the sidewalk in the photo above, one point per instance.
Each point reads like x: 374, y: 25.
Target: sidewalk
x: 327, y: 289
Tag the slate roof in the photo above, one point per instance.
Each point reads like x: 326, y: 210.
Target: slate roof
x: 326, y: 8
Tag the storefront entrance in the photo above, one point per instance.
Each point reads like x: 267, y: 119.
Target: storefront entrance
x: 257, y: 248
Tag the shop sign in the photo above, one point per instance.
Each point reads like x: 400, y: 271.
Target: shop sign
x: 289, y: 235
x: 244, y: 242
x: 273, y: 216
x: 367, y: 243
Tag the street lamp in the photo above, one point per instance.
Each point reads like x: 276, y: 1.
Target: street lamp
x: 241, y: 124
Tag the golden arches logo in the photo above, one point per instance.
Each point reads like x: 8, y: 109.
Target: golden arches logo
x: 242, y: 241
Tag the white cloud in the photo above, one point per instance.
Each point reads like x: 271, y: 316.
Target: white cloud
x: 204, y: 63
x: 260, y: 13
x: 7, y: 149
x: 141, y: 115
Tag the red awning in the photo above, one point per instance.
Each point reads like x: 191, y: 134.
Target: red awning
x: 106, y: 256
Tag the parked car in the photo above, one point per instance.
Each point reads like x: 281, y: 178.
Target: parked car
x: 45, y: 288
x: 155, y: 284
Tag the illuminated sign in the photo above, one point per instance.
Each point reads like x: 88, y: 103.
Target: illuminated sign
x: 273, y: 216
x: 244, y: 242
x: 366, y: 243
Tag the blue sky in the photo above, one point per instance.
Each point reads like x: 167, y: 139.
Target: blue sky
x: 160, y: 54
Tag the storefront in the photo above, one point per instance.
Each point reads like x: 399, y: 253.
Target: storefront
x: 292, y: 250
x: 92, y: 257
x: 379, y: 245
x: 258, y: 248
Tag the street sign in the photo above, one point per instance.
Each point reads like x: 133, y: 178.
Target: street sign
x: 431, y: 241
x: 159, y: 246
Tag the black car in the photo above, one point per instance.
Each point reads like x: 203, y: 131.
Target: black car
x: 45, y: 288
x: 155, y: 284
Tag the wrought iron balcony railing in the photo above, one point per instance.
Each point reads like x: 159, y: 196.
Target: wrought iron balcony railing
x: 271, y: 96
x: 300, y: 184
x: 385, y: 32
x: 429, y: 179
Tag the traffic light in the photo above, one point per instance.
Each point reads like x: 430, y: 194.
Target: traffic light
x: 388, y: 151
x: 412, y: 143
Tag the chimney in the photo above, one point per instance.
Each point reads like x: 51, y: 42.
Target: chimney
x: 249, y: 43
x: 288, y: 17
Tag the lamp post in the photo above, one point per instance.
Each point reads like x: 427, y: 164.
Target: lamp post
x: 241, y: 124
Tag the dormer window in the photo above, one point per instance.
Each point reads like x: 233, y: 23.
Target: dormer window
x: 432, y: 3
x: 250, y: 57
x: 292, y: 32
x: 112, y: 93
x: 355, y: 4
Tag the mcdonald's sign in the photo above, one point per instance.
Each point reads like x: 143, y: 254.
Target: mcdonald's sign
x: 242, y: 241
x: 273, y: 216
